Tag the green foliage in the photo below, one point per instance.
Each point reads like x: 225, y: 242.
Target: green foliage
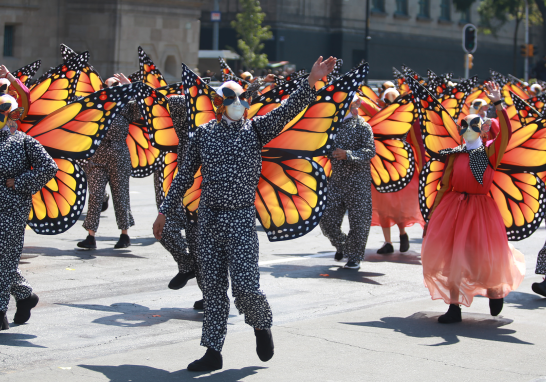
x: 495, y: 13
x: 251, y: 33
x: 462, y: 5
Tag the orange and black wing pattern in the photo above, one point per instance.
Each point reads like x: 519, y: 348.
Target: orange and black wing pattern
x: 429, y: 185
x: 526, y: 112
x: 226, y: 70
x: 438, y: 128
x: 395, y: 120
x: 67, y: 53
x: 76, y: 130
x: 26, y: 73
x: 145, y: 158
x: 538, y: 102
x: 149, y: 72
x: 59, y: 204
x: 193, y: 196
x: 199, y: 96
x: 89, y: 82
x: 54, y: 90
x: 453, y: 97
x: 368, y: 92
x: 393, y: 165
x: 173, y: 89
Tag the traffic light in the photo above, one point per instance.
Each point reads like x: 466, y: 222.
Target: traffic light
x: 528, y: 50
x: 469, y: 61
x: 470, y: 38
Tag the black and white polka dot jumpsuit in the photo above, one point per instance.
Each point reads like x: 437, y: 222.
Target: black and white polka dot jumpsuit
x: 183, y: 249
x: 18, y: 153
x: 230, y: 156
x: 349, y: 188
x: 112, y: 164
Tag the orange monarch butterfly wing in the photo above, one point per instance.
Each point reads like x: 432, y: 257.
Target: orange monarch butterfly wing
x: 136, y: 77
x: 476, y: 93
x: 59, y: 204
x: 438, y: 128
x: 290, y: 77
x: 150, y: 73
x: 54, y: 90
x: 429, y: 185
x: 393, y: 165
x: 325, y: 163
x: 369, y: 93
x: 290, y: 197
x: 88, y: 82
x: 67, y: 53
x: 145, y: 158
x: 226, y: 70
x: 26, y: 73
x: 520, y: 198
x: 311, y: 133
x: 538, y: 102
x: 193, y: 196
x: 76, y: 130
x: 173, y: 89
x: 272, y: 99
x: 228, y: 77
x: 453, y: 97
x: 199, y: 97
x: 526, y: 112
x: 395, y: 120
x: 410, y: 73
x: 155, y: 109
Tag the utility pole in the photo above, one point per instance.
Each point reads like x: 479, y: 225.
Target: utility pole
x: 366, y: 36
x: 526, y: 68
x: 215, y: 26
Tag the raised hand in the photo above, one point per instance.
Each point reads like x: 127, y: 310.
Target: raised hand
x: 122, y: 78
x: 320, y: 69
x: 3, y: 71
x: 493, y: 92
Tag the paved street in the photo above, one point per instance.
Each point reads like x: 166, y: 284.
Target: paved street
x: 107, y: 315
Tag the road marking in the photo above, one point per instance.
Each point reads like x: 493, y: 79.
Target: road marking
x: 290, y: 259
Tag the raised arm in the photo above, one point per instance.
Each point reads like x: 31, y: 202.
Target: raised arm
x: 43, y: 169
x: 496, y: 150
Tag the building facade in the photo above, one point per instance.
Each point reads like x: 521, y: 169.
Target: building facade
x: 111, y: 30
x: 423, y: 34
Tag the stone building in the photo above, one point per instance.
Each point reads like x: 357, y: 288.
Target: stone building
x: 419, y: 33
x: 111, y: 30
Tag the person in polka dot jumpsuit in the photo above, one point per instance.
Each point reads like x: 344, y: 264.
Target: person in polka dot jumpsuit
x: 229, y: 153
x: 25, y: 167
x: 183, y: 249
x: 350, y: 188
x: 111, y: 163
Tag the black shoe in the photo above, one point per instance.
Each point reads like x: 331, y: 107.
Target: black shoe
x: 89, y: 243
x: 23, y: 309
x: 404, y: 242
x: 385, y: 249
x: 4, y: 324
x: 105, y: 203
x: 264, y: 344
x: 212, y: 360
x: 540, y: 288
x: 180, y: 280
x: 352, y: 265
x: 453, y: 315
x: 338, y: 256
x: 495, y: 306
x: 123, y: 241
x: 199, y: 305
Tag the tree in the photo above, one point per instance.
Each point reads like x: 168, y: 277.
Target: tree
x: 251, y: 33
x: 495, y: 13
x: 541, y: 5
x: 462, y: 5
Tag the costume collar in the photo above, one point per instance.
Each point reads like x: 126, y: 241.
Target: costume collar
x: 473, y: 145
x: 229, y: 123
x: 478, y: 159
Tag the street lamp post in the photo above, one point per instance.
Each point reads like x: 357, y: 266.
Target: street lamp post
x: 526, y: 70
x: 215, y: 27
x: 366, y: 36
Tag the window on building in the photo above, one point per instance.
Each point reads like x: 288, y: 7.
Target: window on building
x: 424, y: 9
x: 8, y: 40
x: 378, y: 6
x: 445, y: 10
x: 402, y: 7
x: 465, y: 16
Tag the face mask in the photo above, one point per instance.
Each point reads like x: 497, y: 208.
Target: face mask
x: 475, y: 124
x: 6, y: 115
x: 235, y: 105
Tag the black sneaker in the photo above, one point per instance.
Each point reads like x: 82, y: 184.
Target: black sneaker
x: 88, y: 243
x: 4, y: 324
x: 386, y: 249
x: 264, y: 344
x: 199, y: 305
x: 404, y: 242
x: 495, y: 306
x: 180, y: 280
x: 540, y: 288
x: 22, y: 314
x: 452, y: 315
x: 352, y: 265
x: 212, y: 360
x: 105, y: 202
x: 123, y: 241
x: 338, y: 256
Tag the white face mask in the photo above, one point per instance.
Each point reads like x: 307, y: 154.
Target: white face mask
x: 235, y: 111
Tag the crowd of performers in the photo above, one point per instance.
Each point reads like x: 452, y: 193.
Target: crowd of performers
x: 464, y: 159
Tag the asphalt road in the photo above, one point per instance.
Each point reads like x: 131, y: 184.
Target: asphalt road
x: 107, y: 315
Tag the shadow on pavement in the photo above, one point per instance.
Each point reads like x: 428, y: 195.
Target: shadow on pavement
x: 409, y: 257
x: 18, y: 339
x: 138, y: 373
x: 78, y: 252
x: 425, y: 325
x: 321, y: 271
x: 528, y: 301
x: 134, y: 315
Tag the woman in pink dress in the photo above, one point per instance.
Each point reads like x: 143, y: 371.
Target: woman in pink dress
x: 465, y: 249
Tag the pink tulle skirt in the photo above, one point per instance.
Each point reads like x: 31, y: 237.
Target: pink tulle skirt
x: 397, y: 208
x: 466, y: 253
